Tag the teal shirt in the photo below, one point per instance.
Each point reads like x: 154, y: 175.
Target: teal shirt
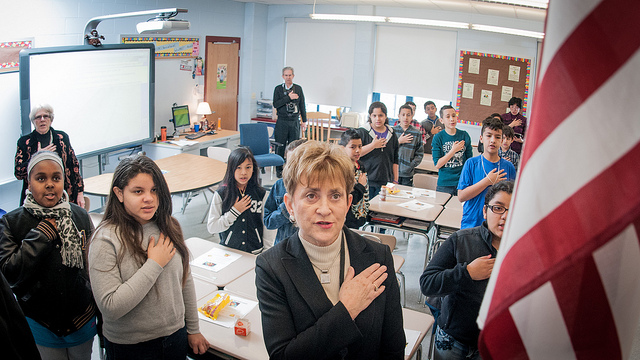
x: 449, y: 174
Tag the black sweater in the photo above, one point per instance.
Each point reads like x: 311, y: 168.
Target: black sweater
x: 56, y: 296
x: 379, y: 162
x: 447, y: 275
x: 289, y: 112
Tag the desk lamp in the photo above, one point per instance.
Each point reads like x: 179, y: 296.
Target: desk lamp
x: 204, y: 109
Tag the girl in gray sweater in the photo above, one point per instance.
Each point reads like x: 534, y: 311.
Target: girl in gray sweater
x: 144, y: 291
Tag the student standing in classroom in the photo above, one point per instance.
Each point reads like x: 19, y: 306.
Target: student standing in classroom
x: 288, y: 100
x: 42, y: 256
x: 379, y: 149
x: 431, y: 125
x: 505, y: 151
x: 144, y: 292
x: 410, y: 150
x: 352, y: 144
x: 236, y: 209
x: 482, y: 171
x: 459, y: 272
x: 415, y: 123
x: 276, y: 215
x: 451, y: 148
x: 517, y: 121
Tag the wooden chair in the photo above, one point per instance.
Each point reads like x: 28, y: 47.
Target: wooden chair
x: 425, y: 181
x: 317, y: 124
x: 398, y: 260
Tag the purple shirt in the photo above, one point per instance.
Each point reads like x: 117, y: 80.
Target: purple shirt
x: 508, y: 118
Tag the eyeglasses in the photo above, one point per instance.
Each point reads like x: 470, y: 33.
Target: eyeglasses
x: 45, y: 116
x: 498, y: 209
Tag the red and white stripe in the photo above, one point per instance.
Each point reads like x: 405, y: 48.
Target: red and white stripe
x: 566, y: 284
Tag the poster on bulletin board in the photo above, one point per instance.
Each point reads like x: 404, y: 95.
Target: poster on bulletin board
x: 486, y: 82
x: 167, y: 47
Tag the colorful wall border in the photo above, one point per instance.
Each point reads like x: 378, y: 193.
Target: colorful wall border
x: 9, y: 54
x: 167, y: 47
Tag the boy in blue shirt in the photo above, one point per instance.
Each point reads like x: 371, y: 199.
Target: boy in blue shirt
x: 451, y: 148
x: 410, y: 152
x: 482, y: 171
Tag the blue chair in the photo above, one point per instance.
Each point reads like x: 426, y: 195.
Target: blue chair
x: 256, y: 137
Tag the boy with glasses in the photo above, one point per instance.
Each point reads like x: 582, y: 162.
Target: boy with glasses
x: 460, y: 270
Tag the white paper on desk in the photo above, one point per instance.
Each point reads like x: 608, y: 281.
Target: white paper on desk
x: 415, y: 205
x: 424, y: 192
x: 183, y: 142
x: 402, y: 194
x: 215, y: 259
x: 412, y: 337
x: 237, y: 309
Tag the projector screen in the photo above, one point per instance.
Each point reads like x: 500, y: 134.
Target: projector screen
x: 102, y: 97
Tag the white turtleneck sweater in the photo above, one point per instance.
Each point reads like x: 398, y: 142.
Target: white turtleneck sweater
x: 328, y: 258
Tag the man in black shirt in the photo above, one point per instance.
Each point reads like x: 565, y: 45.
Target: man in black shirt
x: 288, y: 99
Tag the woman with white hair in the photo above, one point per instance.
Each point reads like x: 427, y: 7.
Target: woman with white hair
x: 44, y: 137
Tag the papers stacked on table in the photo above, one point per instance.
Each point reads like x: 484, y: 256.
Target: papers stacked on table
x: 424, y: 192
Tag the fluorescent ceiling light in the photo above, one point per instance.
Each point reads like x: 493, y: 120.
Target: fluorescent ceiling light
x: 496, y: 29
x: 541, y: 4
x: 344, y: 17
x: 427, y: 22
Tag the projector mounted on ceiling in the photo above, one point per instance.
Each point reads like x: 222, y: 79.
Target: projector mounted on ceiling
x: 162, y: 26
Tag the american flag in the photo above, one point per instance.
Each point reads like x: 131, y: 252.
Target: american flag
x: 566, y: 283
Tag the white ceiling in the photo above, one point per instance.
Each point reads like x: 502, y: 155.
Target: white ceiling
x: 466, y: 6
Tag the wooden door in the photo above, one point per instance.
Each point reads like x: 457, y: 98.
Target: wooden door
x: 222, y: 69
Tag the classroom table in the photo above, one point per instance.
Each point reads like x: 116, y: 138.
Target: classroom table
x: 427, y: 165
x: 244, y: 264
x: 225, y: 343
x: 223, y: 138
x: 390, y: 206
x: 245, y: 285
x: 183, y: 172
x: 453, y: 203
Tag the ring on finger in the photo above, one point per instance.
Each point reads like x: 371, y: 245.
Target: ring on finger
x: 375, y: 286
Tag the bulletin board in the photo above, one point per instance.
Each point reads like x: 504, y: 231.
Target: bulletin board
x: 167, y: 47
x: 486, y: 82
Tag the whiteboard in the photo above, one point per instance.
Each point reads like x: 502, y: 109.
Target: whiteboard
x: 10, y: 124
x: 103, y: 98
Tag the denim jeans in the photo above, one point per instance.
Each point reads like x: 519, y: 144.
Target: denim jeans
x: 172, y: 347
x: 453, y: 190
x: 448, y: 348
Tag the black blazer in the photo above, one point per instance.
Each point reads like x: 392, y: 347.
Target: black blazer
x: 300, y: 322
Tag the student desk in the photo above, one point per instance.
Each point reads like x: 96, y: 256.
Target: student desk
x: 453, y: 203
x: 222, y: 138
x: 245, y: 285
x: 184, y: 173
x: 390, y: 206
x: 226, y: 344
x: 427, y: 165
x: 245, y: 263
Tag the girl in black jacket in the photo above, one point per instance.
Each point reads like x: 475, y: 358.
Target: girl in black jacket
x: 42, y: 256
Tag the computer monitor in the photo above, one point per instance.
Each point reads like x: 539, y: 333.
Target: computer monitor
x: 180, y: 117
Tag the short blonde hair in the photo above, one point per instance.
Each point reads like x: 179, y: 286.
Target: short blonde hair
x: 317, y: 161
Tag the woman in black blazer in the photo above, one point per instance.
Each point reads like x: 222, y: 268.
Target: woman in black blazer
x: 326, y: 292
